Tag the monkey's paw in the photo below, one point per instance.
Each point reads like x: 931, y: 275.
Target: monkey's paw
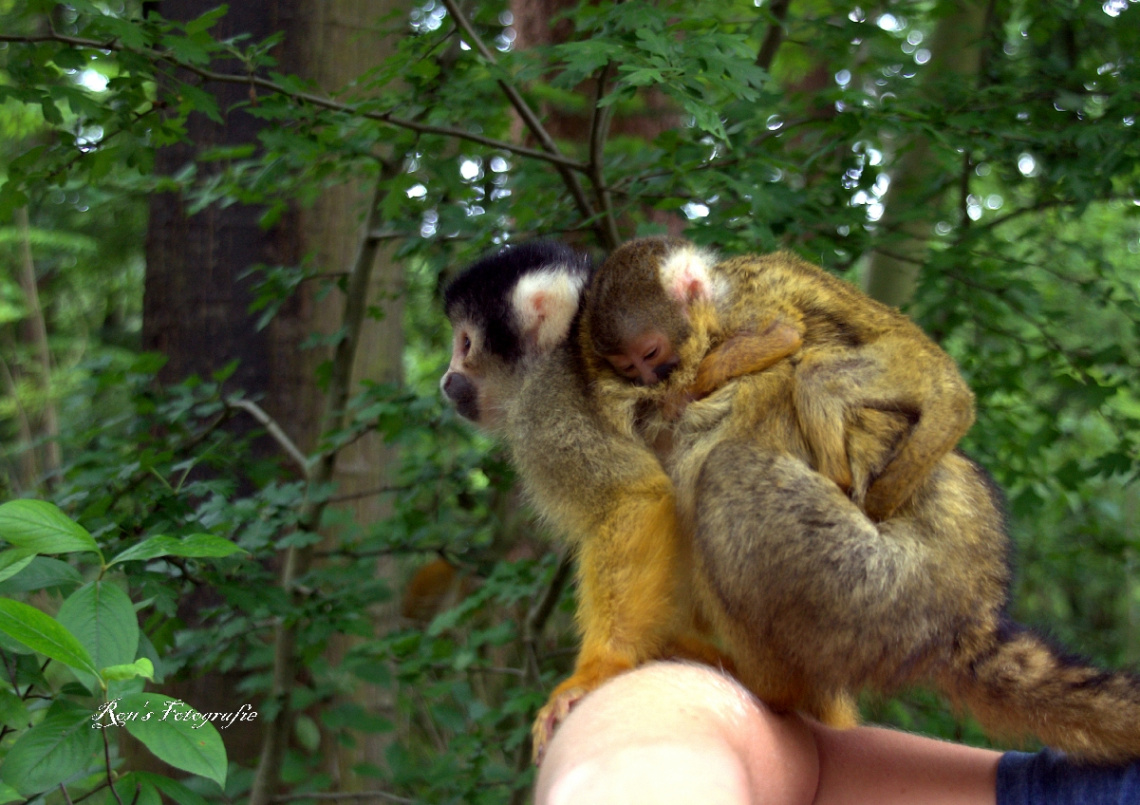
x: 549, y: 717
x: 674, y: 403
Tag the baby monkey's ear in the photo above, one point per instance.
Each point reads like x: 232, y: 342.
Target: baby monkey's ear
x: 545, y: 303
x: 685, y: 275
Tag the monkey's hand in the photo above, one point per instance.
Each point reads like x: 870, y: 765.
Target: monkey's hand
x: 572, y: 690
x: 674, y: 403
x: 745, y: 353
x: 575, y: 688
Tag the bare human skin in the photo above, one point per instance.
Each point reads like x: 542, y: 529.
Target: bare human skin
x: 670, y: 733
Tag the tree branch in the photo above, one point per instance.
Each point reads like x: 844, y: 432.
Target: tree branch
x: 775, y: 36
x: 38, y: 338
x: 274, y: 430
x: 600, y: 119
x: 556, y: 158
x: 535, y: 622
x: 298, y: 560
x: 529, y: 118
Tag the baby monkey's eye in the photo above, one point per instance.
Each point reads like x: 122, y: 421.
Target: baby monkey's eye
x: 649, y: 355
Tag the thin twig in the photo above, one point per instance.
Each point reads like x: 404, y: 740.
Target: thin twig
x: 107, y: 761
x: 601, y: 116
x: 274, y: 430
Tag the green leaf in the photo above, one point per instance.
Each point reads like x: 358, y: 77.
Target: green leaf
x: 102, y: 618
x: 61, y: 746
x: 176, y: 733
x: 43, y: 573
x: 13, y: 560
x: 172, y: 788
x: 8, y: 794
x: 42, y: 527
x: 140, y: 667
x: 194, y: 546
x: 307, y: 732
x: 13, y: 709
x: 42, y: 633
x: 135, y: 791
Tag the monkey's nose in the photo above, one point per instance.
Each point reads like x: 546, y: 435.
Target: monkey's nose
x: 648, y: 375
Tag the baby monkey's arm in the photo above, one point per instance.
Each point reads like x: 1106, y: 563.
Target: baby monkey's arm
x: 742, y: 353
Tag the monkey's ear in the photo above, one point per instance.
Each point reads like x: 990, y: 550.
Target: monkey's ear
x: 685, y: 275
x: 545, y: 303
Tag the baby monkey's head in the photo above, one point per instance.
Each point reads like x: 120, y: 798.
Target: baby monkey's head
x: 643, y: 303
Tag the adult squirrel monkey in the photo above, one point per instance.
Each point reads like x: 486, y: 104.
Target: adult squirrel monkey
x: 814, y: 600
x: 516, y: 371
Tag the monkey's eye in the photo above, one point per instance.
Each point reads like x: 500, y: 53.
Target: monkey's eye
x: 622, y: 367
x: 649, y: 355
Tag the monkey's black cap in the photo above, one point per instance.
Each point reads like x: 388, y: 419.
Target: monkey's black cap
x: 481, y: 293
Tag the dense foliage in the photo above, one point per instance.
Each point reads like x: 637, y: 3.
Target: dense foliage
x: 991, y: 148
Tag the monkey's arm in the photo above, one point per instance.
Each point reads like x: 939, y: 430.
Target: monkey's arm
x: 630, y: 565
x: 742, y: 353
x: 609, y: 494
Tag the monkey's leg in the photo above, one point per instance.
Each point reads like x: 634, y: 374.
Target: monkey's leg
x: 837, y: 601
x: 1016, y: 683
x: 628, y: 613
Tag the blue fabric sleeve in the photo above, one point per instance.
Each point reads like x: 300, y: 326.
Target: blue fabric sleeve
x: 1049, y: 778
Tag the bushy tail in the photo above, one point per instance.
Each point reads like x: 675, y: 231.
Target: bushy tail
x: 1021, y: 684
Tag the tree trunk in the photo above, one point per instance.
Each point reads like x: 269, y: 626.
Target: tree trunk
x: 196, y: 304
x: 35, y: 335
x: 334, y: 46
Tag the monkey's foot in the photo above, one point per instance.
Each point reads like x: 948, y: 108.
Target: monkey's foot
x: 549, y: 717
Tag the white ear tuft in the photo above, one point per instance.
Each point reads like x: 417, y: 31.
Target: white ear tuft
x: 685, y: 274
x: 545, y: 303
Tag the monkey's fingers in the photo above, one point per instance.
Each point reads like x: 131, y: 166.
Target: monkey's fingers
x: 549, y: 717
x: 745, y: 353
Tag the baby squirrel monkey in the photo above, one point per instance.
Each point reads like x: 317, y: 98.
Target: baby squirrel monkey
x: 812, y: 599
x: 517, y: 372
x: 856, y: 354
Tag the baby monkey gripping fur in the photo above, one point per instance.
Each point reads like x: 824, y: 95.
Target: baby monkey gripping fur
x: 857, y: 355
x: 813, y: 599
